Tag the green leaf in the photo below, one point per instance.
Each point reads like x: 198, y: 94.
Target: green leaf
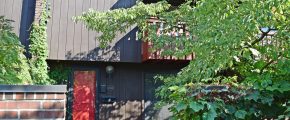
x: 180, y: 106
x: 240, y: 114
x: 210, y: 115
x: 254, y: 51
x: 195, y: 106
x: 173, y: 88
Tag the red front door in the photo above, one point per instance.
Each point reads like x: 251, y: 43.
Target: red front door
x: 84, y: 95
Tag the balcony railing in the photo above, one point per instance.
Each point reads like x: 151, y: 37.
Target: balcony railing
x: 147, y: 46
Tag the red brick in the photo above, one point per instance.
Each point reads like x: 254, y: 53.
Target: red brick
x: 8, y: 114
x: 3, y: 104
x: 39, y: 95
x: 50, y: 96
x: 8, y: 96
x: 54, y: 114
x: 60, y: 96
x: 19, y: 96
x: 28, y: 105
x: 11, y: 105
x: 29, y: 96
x: 41, y: 114
x: 29, y: 115
x: 53, y: 105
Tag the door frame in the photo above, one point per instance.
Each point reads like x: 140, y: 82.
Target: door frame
x: 70, y: 91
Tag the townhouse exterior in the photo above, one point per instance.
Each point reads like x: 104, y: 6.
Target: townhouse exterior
x: 116, y: 82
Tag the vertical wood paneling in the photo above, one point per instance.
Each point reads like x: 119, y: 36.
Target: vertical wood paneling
x: 79, y: 43
x: 85, y: 33
x: 17, y: 7
x: 78, y: 31
x: 11, y: 9
x: 91, y: 40
x: 70, y: 30
x: 49, y: 27
x: 128, y: 82
x: 2, y: 7
x: 62, y: 40
x: 55, y: 29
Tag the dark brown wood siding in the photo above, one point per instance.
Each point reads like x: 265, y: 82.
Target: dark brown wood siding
x: 11, y: 9
x: 73, y: 41
x: 127, y: 84
x: 22, y: 13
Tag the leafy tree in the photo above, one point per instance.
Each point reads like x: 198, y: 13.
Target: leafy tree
x: 14, y: 68
x: 239, y: 71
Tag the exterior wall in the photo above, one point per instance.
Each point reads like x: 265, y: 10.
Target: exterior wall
x: 22, y: 13
x: 32, y: 102
x: 11, y: 9
x: 127, y: 85
x: 68, y: 40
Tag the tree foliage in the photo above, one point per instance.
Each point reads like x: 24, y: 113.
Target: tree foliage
x: 14, y: 68
x: 232, y: 48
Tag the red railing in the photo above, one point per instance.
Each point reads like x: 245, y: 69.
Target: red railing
x: 148, y: 54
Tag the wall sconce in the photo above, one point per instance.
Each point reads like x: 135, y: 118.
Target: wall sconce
x: 109, y: 69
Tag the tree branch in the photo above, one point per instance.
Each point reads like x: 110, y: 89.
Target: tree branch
x: 264, y: 34
x: 269, y: 63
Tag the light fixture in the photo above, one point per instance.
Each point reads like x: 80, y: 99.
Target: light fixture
x: 109, y: 69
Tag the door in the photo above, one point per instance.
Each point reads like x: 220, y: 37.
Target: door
x: 84, y: 95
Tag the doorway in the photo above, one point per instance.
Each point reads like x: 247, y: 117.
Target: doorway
x: 82, y: 99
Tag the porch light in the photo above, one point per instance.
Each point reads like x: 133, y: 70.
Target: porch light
x: 109, y: 69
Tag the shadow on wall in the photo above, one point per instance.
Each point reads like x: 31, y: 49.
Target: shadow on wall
x: 126, y: 49
x: 133, y: 110
x: 123, y: 110
x: 123, y: 4
x: 123, y: 49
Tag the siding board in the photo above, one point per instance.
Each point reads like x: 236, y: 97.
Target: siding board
x: 8, y: 8
x: 49, y: 27
x: 55, y: 29
x: 128, y: 87
x: 85, y: 33
x: 78, y: 32
x: 19, y: 11
x: 63, y: 28
x: 17, y: 7
x: 10, y: 11
x: 92, y: 35
x: 80, y: 43
x: 2, y: 7
x: 70, y: 30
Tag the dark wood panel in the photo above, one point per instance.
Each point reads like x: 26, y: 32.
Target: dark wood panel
x: 49, y: 26
x: 2, y: 7
x: 16, y: 15
x: 70, y: 30
x: 85, y: 34
x: 78, y: 32
x: 27, y: 16
x: 92, y: 35
x: 55, y: 29
x: 127, y: 85
x: 81, y: 44
x: 62, y: 40
x: 11, y: 9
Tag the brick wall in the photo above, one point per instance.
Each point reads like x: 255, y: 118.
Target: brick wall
x: 32, y: 105
x: 38, y: 10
